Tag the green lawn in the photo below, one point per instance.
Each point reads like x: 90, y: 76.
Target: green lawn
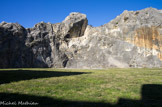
x: 66, y: 87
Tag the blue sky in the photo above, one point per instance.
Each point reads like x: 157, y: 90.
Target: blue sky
x: 29, y: 12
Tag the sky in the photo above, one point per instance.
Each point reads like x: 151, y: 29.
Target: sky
x: 29, y: 12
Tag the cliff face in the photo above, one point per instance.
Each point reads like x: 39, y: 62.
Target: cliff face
x: 132, y: 39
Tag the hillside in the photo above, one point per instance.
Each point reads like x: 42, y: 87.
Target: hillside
x: 132, y: 39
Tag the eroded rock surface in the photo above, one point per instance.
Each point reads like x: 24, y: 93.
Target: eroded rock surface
x: 132, y: 39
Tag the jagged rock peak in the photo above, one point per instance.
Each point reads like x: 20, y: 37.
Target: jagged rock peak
x: 145, y: 17
x: 150, y: 8
x: 75, y: 16
x: 74, y: 25
x: 12, y: 27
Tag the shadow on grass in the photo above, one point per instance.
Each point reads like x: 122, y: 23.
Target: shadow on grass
x: 8, y: 76
x: 47, y: 101
x: 151, y: 96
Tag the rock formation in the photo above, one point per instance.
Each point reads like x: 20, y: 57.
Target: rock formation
x: 132, y: 39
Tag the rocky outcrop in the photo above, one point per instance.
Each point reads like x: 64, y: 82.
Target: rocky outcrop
x: 13, y: 52
x: 44, y: 45
x: 132, y: 39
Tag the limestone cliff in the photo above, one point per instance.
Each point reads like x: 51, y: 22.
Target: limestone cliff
x: 132, y: 39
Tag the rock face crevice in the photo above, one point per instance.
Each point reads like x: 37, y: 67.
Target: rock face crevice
x: 132, y: 39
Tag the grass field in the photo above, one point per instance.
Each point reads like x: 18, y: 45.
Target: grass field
x: 66, y: 87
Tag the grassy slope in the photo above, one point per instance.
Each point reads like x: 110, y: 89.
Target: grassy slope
x: 77, y: 87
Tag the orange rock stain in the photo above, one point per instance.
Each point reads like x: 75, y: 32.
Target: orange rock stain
x: 148, y: 37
